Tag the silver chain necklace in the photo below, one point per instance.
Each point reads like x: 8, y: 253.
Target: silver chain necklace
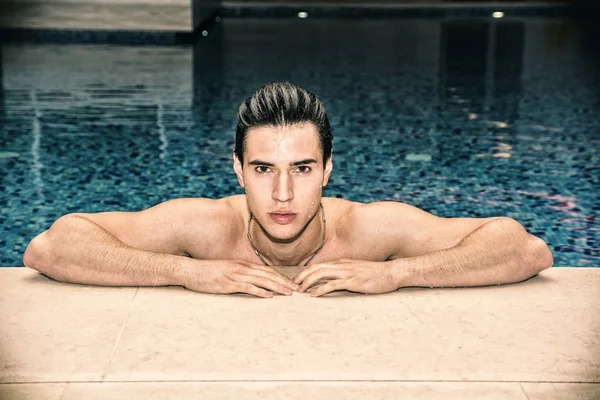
x: 312, y: 255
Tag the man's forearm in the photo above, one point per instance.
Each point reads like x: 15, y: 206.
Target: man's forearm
x: 498, y: 252
x: 76, y: 250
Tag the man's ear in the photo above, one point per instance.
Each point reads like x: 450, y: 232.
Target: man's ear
x: 237, y: 167
x: 328, y: 169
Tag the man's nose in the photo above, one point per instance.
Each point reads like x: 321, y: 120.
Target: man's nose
x: 283, y: 190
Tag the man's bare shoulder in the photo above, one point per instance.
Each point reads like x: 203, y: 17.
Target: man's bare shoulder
x: 401, y: 230
x: 335, y: 207
x: 341, y: 215
x: 378, y: 223
x: 225, y: 212
x: 207, y: 224
x: 391, y: 218
x: 383, y: 209
x: 200, y: 205
x: 367, y: 213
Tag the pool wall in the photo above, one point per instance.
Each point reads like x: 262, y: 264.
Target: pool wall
x: 156, y: 15
x: 188, y: 15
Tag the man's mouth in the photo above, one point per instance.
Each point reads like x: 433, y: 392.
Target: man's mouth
x: 282, y: 217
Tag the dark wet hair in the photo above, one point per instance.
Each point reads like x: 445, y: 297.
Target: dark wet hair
x: 282, y: 104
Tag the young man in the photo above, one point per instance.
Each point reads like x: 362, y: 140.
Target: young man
x: 283, y: 159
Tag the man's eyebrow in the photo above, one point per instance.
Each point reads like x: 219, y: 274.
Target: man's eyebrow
x: 303, y: 162
x: 258, y: 162
x: 293, y: 163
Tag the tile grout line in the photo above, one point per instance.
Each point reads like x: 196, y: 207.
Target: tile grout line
x: 412, y: 312
x: 61, y: 396
x: 523, y: 390
x: 300, y: 381
x: 119, y: 336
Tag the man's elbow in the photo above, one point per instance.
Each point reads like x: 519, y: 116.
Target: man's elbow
x: 33, y: 258
x: 535, y: 255
x: 38, y: 256
x: 541, y: 257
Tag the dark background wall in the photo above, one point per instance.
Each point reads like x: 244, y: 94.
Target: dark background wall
x: 408, y: 1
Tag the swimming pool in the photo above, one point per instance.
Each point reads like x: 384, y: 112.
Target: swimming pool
x: 461, y: 118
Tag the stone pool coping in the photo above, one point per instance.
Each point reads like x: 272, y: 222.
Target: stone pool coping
x: 538, y: 339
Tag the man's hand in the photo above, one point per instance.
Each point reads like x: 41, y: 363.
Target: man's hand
x: 353, y: 275
x: 223, y: 277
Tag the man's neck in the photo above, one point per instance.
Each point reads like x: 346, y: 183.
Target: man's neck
x: 295, y: 252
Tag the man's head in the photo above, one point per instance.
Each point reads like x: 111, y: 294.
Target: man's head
x: 280, y: 104
x: 283, y: 157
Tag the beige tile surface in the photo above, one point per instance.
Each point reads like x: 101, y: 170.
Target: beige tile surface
x: 52, y: 331
x: 300, y: 390
x: 545, y: 329
x: 266, y: 391
x: 562, y: 391
x: 29, y: 391
x: 109, y: 15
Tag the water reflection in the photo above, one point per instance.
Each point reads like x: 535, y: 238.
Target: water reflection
x: 162, y: 132
x: 463, y: 67
x: 208, y: 80
x: 508, y: 46
x: 481, y: 69
x: 36, y: 164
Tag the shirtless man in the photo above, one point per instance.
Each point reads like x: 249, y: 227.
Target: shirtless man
x: 282, y: 159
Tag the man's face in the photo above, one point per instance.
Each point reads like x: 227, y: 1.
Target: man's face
x: 283, y: 175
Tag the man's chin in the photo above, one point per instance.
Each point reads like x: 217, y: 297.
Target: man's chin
x: 283, y: 235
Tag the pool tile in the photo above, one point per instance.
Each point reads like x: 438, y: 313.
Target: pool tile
x: 27, y: 391
x: 48, y: 335
x: 562, y: 391
x: 295, y: 390
x: 479, y: 334
x: 301, y: 390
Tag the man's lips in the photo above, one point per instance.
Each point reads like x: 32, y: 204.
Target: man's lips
x: 283, y: 217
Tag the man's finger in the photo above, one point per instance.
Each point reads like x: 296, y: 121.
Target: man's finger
x: 269, y: 269
x: 274, y: 276
x: 240, y: 287
x: 338, y: 284
x: 318, y: 275
x: 285, y: 278
x: 302, y: 275
x: 265, y: 283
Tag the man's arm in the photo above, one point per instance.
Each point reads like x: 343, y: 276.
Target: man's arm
x: 432, y: 251
x: 427, y: 251
x: 148, y: 248
x: 114, y: 248
x: 499, y: 251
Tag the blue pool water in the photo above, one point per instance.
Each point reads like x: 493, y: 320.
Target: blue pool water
x: 461, y: 118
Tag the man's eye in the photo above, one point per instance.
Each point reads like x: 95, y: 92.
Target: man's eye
x: 303, y: 169
x: 262, y: 169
